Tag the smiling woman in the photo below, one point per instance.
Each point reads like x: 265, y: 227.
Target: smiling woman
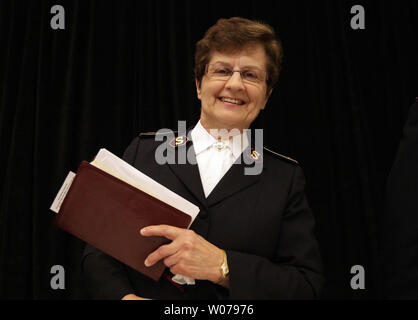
x: 237, y: 63
x: 235, y: 34
x: 231, y: 100
x: 254, y: 235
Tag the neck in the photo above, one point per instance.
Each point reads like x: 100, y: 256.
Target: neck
x: 221, y: 131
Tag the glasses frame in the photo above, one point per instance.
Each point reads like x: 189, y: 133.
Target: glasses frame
x: 244, y: 80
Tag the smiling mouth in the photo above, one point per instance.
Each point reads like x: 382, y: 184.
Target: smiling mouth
x: 231, y: 100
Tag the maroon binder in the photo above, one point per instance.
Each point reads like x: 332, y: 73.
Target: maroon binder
x: 109, y: 213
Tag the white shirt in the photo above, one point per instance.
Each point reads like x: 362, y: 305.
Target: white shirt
x: 213, y: 162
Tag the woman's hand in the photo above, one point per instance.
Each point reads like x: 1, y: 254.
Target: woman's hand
x: 132, y: 296
x: 188, y: 254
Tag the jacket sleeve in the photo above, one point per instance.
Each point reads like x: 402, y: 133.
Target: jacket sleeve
x: 295, y: 272
x: 104, y: 276
x: 399, y: 225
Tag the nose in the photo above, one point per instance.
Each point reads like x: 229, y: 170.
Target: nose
x: 235, y: 82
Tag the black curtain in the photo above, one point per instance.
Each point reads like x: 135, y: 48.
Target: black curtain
x: 124, y: 67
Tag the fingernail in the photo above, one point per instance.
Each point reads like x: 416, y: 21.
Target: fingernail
x: 143, y: 230
x: 146, y: 263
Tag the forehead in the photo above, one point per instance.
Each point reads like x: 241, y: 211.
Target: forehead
x: 249, y: 56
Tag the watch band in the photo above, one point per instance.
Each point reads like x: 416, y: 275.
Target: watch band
x: 224, y: 268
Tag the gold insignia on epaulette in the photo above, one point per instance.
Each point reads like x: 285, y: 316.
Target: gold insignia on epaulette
x: 179, y: 141
x: 255, y: 155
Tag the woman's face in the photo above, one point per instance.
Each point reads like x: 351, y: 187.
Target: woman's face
x: 248, y: 98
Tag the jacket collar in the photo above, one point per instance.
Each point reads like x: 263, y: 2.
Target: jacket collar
x: 202, y: 140
x: 237, y: 178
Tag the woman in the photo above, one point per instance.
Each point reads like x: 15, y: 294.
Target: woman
x: 254, y: 235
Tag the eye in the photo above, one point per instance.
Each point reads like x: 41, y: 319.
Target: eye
x: 250, y: 74
x: 222, y: 71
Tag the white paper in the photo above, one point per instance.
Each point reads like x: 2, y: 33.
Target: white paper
x: 122, y: 170
x: 56, y: 205
x: 180, y: 279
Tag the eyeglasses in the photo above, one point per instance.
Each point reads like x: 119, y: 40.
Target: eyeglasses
x: 222, y: 72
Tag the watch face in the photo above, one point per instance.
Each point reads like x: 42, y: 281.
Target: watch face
x: 225, y: 270
x: 224, y: 267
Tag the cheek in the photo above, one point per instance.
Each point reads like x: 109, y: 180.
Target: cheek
x: 259, y: 101
x: 210, y: 94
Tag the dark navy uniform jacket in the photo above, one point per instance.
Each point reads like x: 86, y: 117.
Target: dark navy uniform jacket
x: 263, y: 222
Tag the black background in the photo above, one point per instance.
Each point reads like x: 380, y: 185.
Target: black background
x: 124, y: 67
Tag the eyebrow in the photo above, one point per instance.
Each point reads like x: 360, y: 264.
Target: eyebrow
x: 243, y: 67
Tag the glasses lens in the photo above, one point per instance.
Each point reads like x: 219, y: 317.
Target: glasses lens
x: 221, y: 72
x: 252, y: 75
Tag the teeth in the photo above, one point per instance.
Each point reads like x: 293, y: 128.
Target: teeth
x: 232, y: 101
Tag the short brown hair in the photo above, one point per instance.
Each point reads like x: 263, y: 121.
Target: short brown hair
x: 236, y: 33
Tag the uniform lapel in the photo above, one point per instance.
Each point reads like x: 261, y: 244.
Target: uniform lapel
x: 188, y: 173
x: 235, y: 179
x: 232, y: 182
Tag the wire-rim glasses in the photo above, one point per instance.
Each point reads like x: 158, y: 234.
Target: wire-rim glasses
x: 220, y: 71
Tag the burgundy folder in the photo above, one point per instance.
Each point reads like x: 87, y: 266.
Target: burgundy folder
x: 109, y: 213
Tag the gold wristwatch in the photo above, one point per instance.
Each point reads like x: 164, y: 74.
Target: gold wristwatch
x: 224, y: 268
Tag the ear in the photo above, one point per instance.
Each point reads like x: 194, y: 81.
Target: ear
x: 198, y: 91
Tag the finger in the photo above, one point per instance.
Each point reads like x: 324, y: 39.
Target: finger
x: 162, y: 252
x: 172, y: 260
x: 163, y: 230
